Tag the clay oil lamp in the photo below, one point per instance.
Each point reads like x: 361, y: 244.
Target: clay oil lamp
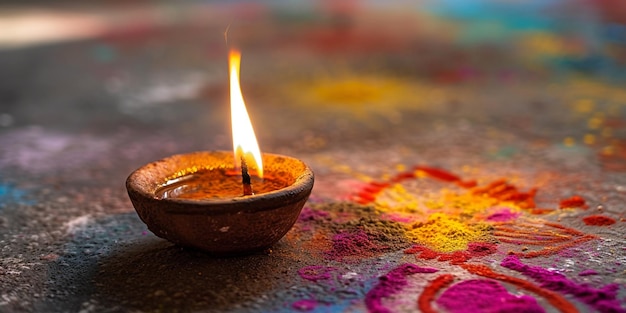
x: 223, y: 202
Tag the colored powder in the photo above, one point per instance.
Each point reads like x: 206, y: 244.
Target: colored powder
x: 588, y: 273
x: 505, y: 192
x: 384, y: 235
x: 354, y: 91
x: 317, y: 243
x: 304, y: 305
x: 397, y: 199
x: 309, y: 214
x: 316, y: 272
x: 391, y: 196
x: 350, y: 244
x: 554, y: 298
x: 371, y: 190
x: 447, y: 234
x: 551, y: 238
x: 476, y: 202
x: 612, y: 156
x: 573, y: 202
x: 475, y: 249
x: 552, y: 249
x: 349, y: 219
x: 11, y: 194
x: 503, y: 215
x: 327, y: 214
x: 466, y: 204
x: 431, y: 290
x: 399, y: 217
x: 598, y: 220
x: 480, y: 295
x: 390, y: 284
x: 438, y: 173
x: 603, y: 299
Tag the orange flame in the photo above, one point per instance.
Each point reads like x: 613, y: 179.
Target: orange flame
x: 245, y: 145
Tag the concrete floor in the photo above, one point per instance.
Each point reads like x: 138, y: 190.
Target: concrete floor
x: 358, y: 104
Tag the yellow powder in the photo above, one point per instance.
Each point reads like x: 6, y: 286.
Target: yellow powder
x: 589, y: 139
x: 595, y: 122
x: 468, y: 204
x: 398, y: 199
x: 400, y: 167
x: 584, y: 105
x: 443, y: 233
x: 608, y: 150
x: 355, y: 90
x: 420, y: 174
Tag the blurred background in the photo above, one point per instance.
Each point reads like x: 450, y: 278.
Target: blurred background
x: 103, y: 65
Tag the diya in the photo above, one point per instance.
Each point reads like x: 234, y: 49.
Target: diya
x: 222, y: 202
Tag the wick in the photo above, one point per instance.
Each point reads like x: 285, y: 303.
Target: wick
x: 245, y: 179
x: 226, y: 33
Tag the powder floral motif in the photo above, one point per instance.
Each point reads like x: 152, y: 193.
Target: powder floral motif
x: 603, y: 299
x: 480, y: 295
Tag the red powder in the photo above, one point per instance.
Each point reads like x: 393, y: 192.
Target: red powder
x: 498, y: 189
x: 429, y: 293
x: 366, y: 197
x: 503, y: 191
x: 391, y: 283
x: 467, y: 184
x: 368, y: 193
x: 554, y: 249
x: 573, y: 202
x: 438, y: 173
x: 598, y: 220
x: 538, y: 211
x: 374, y: 187
x: 474, y: 249
x: 550, y: 241
x: 403, y: 176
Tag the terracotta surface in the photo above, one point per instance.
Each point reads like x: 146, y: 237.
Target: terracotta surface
x: 233, y: 226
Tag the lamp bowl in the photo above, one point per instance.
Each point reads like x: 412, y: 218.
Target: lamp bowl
x: 232, y: 226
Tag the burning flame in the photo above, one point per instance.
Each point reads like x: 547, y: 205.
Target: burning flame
x: 245, y: 145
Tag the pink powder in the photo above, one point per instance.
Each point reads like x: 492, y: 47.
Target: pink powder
x: 503, y: 215
x: 352, y: 244
x: 588, y: 273
x: 395, y: 217
x: 309, y: 214
x: 481, y: 295
x: 316, y: 272
x: 390, y: 284
x: 603, y: 299
x: 304, y: 305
